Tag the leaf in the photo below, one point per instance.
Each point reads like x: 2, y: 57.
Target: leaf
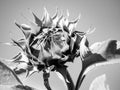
x: 22, y: 44
x: 99, y: 83
x: 7, y: 76
x: 103, y: 53
x: 32, y: 71
x: 21, y: 57
x: 25, y: 30
x: 107, y: 49
x: 90, y: 63
x: 111, y: 62
x: 34, y: 27
x: 9, y: 63
x: 25, y: 27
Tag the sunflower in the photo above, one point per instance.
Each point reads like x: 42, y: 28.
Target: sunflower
x: 48, y: 44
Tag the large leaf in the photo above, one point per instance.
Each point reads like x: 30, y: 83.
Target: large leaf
x: 103, y: 53
x: 107, y: 49
x: 7, y: 76
x: 99, y: 83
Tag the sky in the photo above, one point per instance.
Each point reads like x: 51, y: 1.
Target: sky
x: 104, y: 15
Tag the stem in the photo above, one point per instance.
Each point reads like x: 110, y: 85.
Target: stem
x: 69, y: 82
x: 80, y: 79
x: 46, y: 80
x: 86, y: 63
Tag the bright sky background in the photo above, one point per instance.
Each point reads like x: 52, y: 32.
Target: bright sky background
x: 102, y: 14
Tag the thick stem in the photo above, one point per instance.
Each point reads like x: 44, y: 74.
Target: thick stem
x: 86, y: 63
x: 69, y: 82
x: 80, y: 79
x: 46, y: 80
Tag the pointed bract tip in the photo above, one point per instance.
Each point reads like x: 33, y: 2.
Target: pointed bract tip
x: 68, y: 13
x: 16, y: 23
x: 31, y: 11
x: 60, y: 18
x: 46, y: 14
x: 45, y: 10
x: 57, y: 9
x: 37, y: 20
x: 56, y: 13
x: 47, y: 19
x: 90, y: 30
x: 78, y: 18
